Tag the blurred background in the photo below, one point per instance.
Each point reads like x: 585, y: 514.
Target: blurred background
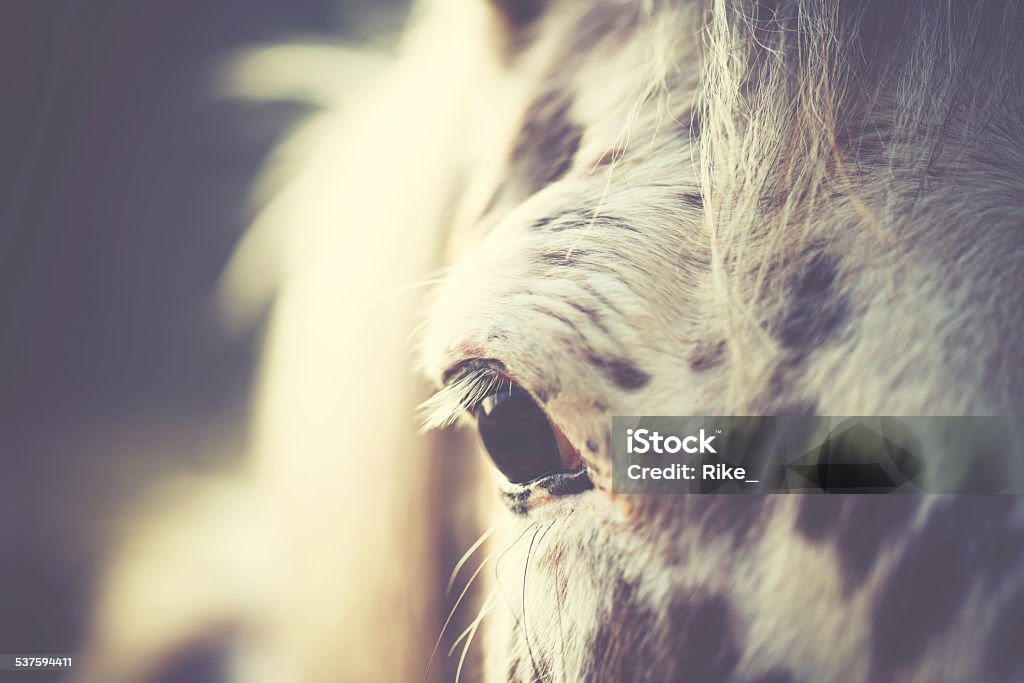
x: 125, y: 176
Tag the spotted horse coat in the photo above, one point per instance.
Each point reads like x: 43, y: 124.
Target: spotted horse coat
x: 753, y: 208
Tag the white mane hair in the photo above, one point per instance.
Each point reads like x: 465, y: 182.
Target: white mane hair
x: 826, y: 119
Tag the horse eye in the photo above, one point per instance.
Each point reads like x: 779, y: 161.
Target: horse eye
x: 519, y: 437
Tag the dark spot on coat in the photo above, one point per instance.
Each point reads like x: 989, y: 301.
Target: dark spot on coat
x: 777, y: 392
x: 991, y: 467
x: 695, y: 124
x: 693, y: 640
x: 565, y: 258
x: 605, y: 302
x: 1004, y: 657
x: 609, y: 222
x: 820, y: 517
x: 606, y: 21
x: 814, y: 311
x: 969, y: 540
x: 546, y: 392
x: 622, y: 649
x: 542, y: 222
x: 519, y: 13
x: 732, y: 517
x: 592, y: 446
x: 581, y: 220
x: 797, y: 409
x: 590, y: 221
x: 555, y: 218
x: 547, y: 142
x: 515, y: 26
x: 622, y: 372
x: 708, y: 356
x: 557, y: 316
x: 692, y: 200
x: 784, y: 395
x: 694, y: 258
x: 593, y: 316
x: 702, y: 629
x: 858, y: 526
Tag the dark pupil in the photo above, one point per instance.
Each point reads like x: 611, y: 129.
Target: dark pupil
x: 518, y: 436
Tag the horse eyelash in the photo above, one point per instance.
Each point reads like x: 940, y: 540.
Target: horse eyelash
x: 460, y: 395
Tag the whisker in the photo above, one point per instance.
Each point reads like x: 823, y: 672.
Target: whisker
x: 451, y: 614
x: 526, y: 570
x: 497, y: 562
x: 558, y: 602
x: 381, y: 298
x: 484, y: 611
x: 473, y: 628
x: 416, y: 333
x: 469, y: 553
